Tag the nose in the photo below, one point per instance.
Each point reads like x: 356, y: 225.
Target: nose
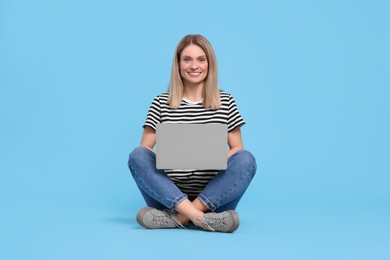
x: 194, y: 65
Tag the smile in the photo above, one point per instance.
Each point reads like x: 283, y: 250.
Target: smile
x: 194, y: 74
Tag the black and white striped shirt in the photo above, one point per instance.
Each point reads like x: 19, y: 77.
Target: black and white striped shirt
x: 192, y: 182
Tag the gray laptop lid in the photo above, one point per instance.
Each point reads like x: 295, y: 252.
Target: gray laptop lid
x: 191, y: 146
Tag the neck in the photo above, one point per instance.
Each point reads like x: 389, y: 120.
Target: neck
x: 193, y: 92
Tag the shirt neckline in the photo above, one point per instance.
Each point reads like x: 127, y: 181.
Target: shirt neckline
x: 192, y: 102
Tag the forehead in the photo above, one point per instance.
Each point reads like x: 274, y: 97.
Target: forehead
x: 193, y: 50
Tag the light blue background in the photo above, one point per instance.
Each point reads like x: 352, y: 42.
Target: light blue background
x: 311, y: 78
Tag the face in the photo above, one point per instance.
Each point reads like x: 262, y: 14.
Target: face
x: 193, y: 64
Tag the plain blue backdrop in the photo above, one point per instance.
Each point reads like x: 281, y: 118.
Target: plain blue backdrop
x: 311, y: 79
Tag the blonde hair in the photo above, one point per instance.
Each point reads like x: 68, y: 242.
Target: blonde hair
x: 211, y: 94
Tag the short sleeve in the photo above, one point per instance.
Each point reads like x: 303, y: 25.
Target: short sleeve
x: 154, y: 114
x: 234, y: 118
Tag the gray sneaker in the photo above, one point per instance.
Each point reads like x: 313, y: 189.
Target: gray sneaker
x: 226, y: 221
x: 153, y: 218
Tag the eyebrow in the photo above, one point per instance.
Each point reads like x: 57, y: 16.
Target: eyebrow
x: 186, y: 56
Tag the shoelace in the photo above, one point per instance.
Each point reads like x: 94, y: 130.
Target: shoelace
x: 206, y: 225
x: 171, y: 217
x: 217, y: 221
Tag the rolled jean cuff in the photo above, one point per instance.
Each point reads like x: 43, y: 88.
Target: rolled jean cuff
x: 176, y: 202
x: 206, y: 202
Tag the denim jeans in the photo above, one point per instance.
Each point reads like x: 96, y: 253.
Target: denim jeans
x: 222, y: 193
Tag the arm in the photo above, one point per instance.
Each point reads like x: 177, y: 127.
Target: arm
x: 235, y: 141
x: 148, y: 138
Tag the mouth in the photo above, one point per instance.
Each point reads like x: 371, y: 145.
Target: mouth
x: 194, y: 74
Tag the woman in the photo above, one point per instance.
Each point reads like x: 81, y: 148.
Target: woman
x: 206, y: 198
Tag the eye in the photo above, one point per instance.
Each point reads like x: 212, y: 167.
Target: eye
x: 202, y: 60
x: 186, y: 59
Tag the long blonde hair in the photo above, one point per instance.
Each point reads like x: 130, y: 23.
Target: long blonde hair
x: 211, y: 94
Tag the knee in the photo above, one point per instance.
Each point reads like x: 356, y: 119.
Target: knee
x: 137, y: 155
x: 247, y: 160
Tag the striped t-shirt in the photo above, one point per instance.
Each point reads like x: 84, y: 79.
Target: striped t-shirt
x: 192, y: 182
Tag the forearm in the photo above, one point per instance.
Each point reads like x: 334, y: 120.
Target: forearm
x: 233, y: 150
x: 148, y: 138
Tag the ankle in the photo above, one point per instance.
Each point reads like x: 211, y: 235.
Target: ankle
x: 198, y: 221
x: 187, y: 210
x: 182, y: 219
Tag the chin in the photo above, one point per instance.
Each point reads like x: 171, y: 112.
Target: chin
x: 195, y: 81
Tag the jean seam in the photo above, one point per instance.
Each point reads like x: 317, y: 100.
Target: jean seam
x: 218, y: 199
x: 173, y: 205
x: 146, y: 186
x: 206, y: 202
x: 152, y: 192
x: 179, y: 199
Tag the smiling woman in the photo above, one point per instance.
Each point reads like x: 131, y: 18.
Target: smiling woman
x: 175, y: 197
x: 193, y: 65
x: 194, y: 73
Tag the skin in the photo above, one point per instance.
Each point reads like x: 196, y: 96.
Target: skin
x: 193, y: 70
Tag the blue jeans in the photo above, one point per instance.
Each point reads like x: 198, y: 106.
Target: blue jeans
x: 222, y: 193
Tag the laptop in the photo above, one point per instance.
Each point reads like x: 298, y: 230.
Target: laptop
x: 191, y: 146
